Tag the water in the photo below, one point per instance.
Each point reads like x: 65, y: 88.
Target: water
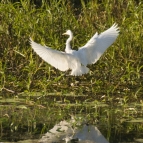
x: 26, y: 117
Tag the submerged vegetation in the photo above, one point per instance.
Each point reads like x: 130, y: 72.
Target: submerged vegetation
x: 116, y: 79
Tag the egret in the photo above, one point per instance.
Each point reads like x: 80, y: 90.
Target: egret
x: 74, y: 60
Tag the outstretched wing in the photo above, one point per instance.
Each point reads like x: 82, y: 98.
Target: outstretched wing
x: 57, y: 59
x: 97, y: 45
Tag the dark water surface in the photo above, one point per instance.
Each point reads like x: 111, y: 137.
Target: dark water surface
x: 26, y: 118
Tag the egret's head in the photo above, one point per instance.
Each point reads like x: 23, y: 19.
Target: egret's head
x: 68, y: 32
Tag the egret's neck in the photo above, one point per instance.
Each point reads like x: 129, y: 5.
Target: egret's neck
x: 68, y: 46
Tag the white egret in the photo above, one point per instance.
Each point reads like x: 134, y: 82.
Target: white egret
x: 74, y: 60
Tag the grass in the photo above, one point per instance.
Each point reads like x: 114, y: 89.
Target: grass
x: 22, y: 70
x: 117, y: 76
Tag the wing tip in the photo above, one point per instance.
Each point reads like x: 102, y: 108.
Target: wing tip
x: 116, y: 27
x: 30, y: 40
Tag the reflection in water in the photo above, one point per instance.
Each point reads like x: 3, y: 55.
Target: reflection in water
x: 64, y: 132
x: 121, y: 123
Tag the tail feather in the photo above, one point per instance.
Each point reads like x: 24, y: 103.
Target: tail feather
x: 79, y: 71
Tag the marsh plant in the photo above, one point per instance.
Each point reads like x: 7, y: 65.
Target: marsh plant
x: 120, y: 68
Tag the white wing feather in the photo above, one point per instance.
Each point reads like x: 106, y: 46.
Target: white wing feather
x: 97, y: 45
x: 58, y: 59
x: 77, y: 60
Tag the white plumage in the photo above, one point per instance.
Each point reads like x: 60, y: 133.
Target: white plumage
x: 77, y: 60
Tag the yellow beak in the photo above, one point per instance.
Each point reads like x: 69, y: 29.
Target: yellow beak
x: 64, y: 34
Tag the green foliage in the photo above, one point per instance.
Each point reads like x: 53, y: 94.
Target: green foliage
x: 22, y: 70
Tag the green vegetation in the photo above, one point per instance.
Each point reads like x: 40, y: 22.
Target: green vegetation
x: 120, y: 68
x: 117, y: 78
